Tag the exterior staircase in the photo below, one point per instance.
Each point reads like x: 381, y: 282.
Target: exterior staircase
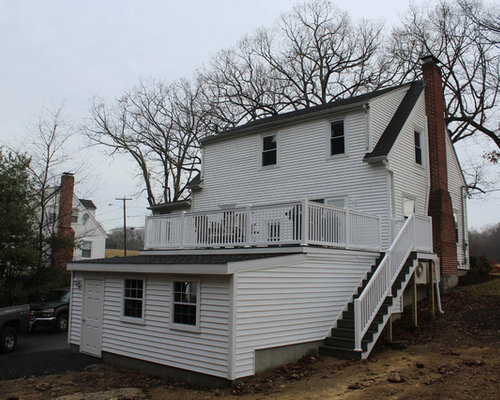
x: 341, y: 343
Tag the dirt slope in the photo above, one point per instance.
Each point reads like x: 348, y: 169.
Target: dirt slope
x: 452, y: 357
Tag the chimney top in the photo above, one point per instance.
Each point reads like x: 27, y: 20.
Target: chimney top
x: 68, y: 173
x: 430, y: 59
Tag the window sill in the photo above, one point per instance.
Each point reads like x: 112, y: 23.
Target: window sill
x: 131, y: 320
x: 269, y: 167
x: 186, y: 328
x: 336, y: 156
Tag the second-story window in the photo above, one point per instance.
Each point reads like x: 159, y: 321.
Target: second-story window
x: 74, y: 215
x: 418, y: 148
x: 269, y: 150
x: 337, y: 138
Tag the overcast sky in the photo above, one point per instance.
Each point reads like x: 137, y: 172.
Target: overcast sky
x: 57, y: 53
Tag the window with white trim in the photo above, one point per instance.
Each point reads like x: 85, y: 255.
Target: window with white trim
x: 74, y: 215
x: 86, y: 249
x: 408, y: 206
x: 133, y: 299
x: 269, y: 150
x: 337, y: 137
x: 186, y: 303
x: 339, y: 201
x: 418, y: 147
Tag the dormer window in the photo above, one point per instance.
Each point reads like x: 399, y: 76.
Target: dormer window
x: 337, y: 138
x: 418, y: 148
x: 269, y: 150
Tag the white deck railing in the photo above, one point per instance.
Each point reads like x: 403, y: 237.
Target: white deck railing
x: 301, y: 222
x: 415, y: 235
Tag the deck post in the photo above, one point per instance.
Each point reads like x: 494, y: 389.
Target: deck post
x: 431, y: 294
x: 305, y: 222
x: 414, y: 308
x: 183, y: 228
x: 357, y: 325
x: 248, y: 230
x: 389, y: 329
x: 347, y: 228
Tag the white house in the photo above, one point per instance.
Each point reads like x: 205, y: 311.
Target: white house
x: 301, y: 233
x: 89, y: 234
x: 74, y: 218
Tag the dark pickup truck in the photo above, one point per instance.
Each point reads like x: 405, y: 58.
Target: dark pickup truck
x: 13, y: 321
x: 51, y: 310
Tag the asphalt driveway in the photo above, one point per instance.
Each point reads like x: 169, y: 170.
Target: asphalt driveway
x: 43, y: 352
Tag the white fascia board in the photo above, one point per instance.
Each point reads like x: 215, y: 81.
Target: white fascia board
x: 186, y: 269
x: 242, y: 250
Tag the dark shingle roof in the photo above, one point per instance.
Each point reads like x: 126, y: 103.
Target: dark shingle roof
x: 304, y: 113
x: 164, y: 208
x: 181, y: 259
x: 389, y: 136
x: 88, y: 204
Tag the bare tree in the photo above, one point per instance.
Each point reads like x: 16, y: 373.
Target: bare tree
x: 315, y: 55
x: 47, y: 145
x: 158, y: 125
x: 471, y: 64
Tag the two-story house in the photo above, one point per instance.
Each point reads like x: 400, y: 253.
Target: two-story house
x: 300, y: 234
x: 74, y: 219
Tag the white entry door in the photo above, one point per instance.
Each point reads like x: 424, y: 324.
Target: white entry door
x: 92, y: 317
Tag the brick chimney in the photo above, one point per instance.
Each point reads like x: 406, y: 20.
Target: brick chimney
x: 440, y: 207
x: 62, y: 251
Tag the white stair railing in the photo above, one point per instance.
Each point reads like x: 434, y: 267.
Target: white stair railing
x: 414, y: 235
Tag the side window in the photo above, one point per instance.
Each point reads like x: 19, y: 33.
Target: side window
x: 418, y: 148
x: 336, y: 201
x: 186, y: 303
x: 133, y: 298
x: 86, y: 249
x: 337, y: 138
x: 455, y: 218
x: 74, y: 215
x: 408, y: 206
x: 269, y: 150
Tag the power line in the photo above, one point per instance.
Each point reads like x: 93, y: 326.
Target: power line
x: 124, y: 199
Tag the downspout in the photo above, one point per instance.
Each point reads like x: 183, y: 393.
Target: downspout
x: 463, y: 193
x: 438, y: 293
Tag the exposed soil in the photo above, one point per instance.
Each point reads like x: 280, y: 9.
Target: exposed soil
x: 454, y: 356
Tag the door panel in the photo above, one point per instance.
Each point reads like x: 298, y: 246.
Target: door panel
x: 92, y: 317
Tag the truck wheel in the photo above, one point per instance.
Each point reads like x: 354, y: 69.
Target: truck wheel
x: 62, y: 323
x: 8, y: 339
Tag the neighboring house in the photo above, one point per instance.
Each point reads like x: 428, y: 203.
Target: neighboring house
x: 300, y: 234
x: 75, y: 219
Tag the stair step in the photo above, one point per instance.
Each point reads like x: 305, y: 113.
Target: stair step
x: 344, y: 343
x: 339, y: 352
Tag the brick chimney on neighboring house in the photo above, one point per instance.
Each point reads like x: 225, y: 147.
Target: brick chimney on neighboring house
x: 62, y: 252
x: 440, y: 206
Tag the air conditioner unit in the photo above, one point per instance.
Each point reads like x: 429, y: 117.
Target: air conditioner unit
x: 422, y: 273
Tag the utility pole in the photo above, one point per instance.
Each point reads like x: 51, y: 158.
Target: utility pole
x: 124, y: 199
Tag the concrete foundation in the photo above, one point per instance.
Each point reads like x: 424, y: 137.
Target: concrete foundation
x: 163, y: 371
x: 448, y: 282
x: 273, y: 357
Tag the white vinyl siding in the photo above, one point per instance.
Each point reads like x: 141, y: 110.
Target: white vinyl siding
x: 305, y: 171
x: 76, y: 304
x: 410, y: 180
x: 382, y: 109
x: 204, y: 352
x: 293, y: 304
x: 455, y: 183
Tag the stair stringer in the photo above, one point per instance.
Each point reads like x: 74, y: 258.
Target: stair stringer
x: 390, y: 311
